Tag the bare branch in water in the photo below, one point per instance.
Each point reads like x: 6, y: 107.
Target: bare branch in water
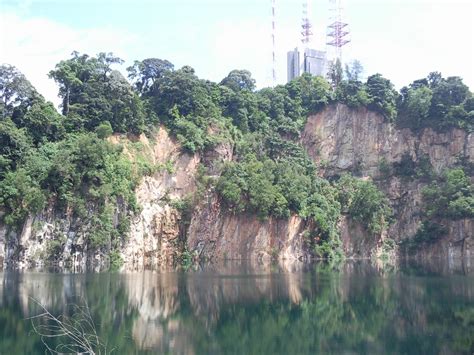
x: 74, y: 334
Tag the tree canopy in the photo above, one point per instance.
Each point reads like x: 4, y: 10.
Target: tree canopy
x: 436, y: 102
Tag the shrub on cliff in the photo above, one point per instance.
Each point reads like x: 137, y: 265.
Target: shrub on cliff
x: 450, y: 196
x: 278, y: 188
x: 382, y: 96
x: 436, y: 102
x: 364, y: 202
x: 352, y: 93
x: 251, y: 186
x: 81, y: 174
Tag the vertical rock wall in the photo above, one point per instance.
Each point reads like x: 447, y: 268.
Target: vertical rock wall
x: 340, y: 139
x: 216, y: 234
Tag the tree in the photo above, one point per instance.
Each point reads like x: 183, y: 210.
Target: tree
x: 446, y: 94
x: 414, y: 111
x: 70, y: 75
x: 365, y: 203
x: 104, y: 130
x: 93, y: 93
x: 239, y: 80
x: 354, y: 71
x: 240, y: 105
x: 313, y: 91
x: 382, y: 96
x: 451, y: 196
x: 352, y: 93
x: 335, y: 73
x: 145, y: 73
x: 43, y: 123
x: 19, y: 195
x: 436, y: 102
x: 14, y: 145
x: 105, y: 61
x: 16, y: 92
x: 127, y: 110
x: 434, y: 79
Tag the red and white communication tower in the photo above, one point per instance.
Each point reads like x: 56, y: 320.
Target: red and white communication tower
x: 338, y: 31
x: 274, y: 76
x: 306, y: 25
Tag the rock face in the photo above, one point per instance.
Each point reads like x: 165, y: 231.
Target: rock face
x: 356, y: 242
x: 215, y: 234
x: 40, y: 235
x: 154, y: 231
x: 340, y: 139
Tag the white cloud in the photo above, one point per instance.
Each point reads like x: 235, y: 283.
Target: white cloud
x: 35, y: 45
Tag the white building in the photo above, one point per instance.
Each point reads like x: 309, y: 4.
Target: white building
x: 293, y: 64
x: 313, y: 62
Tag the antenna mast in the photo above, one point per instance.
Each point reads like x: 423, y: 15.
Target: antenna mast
x: 274, y: 76
x: 337, y: 30
x: 306, y: 32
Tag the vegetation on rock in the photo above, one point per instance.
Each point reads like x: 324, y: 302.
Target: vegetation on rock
x: 65, y: 160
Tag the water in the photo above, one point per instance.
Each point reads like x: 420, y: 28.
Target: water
x: 235, y: 309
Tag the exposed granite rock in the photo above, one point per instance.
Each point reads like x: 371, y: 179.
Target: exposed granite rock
x: 154, y: 233
x: 356, y: 242
x: 33, y: 245
x: 340, y: 139
x: 456, y: 244
x: 343, y: 139
x: 215, y: 234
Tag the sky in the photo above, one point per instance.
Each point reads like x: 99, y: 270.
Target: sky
x: 403, y: 40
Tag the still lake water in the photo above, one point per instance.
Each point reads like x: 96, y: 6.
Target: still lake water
x: 355, y: 308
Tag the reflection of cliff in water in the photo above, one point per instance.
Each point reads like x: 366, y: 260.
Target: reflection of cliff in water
x: 243, y: 309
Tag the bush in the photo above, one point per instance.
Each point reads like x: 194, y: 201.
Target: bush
x: 428, y: 233
x: 54, y: 248
x: 450, y: 196
x: 104, y: 130
x: 365, y: 203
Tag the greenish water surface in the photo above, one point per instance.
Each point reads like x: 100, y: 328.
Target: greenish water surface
x: 233, y: 308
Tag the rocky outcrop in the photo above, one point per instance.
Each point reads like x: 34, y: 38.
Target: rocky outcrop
x: 356, y: 242
x: 154, y: 233
x: 42, y: 234
x: 458, y: 243
x: 216, y: 234
x: 340, y: 139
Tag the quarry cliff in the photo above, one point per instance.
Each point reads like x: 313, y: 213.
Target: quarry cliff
x: 181, y: 217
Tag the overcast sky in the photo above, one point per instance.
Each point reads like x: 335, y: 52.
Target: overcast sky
x: 401, y: 39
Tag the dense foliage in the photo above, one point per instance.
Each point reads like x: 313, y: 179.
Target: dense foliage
x: 451, y: 196
x: 436, y: 102
x: 364, y: 202
x: 93, y: 93
x: 48, y: 159
x: 65, y: 160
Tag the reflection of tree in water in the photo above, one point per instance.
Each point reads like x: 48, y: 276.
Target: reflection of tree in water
x: 356, y: 309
